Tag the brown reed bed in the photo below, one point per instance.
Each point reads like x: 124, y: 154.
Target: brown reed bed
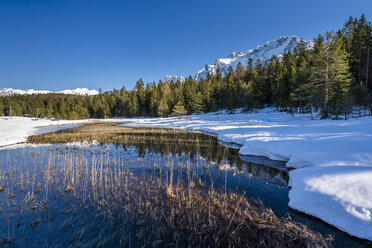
x: 147, y: 210
x: 104, y: 132
x: 180, y: 216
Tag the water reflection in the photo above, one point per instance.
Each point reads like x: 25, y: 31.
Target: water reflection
x: 213, y: 165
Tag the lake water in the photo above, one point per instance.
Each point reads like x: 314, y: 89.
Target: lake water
x: 37, y: 208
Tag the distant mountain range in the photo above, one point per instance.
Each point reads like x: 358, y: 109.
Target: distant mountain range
x: 263, y: 53
x: 78, y: 91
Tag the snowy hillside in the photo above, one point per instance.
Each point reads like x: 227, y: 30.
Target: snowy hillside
x: 265, y: 52
x: 78, y: 91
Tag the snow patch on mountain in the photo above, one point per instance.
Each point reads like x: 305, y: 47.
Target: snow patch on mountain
x: 77, y: 91
x: 263, y: 53
x: 170, y: 78
x: 80, y: 91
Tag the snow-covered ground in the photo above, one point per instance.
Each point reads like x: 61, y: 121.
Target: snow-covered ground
x: 333, y: 179
x: 334, y: 158
x: 16, y: 129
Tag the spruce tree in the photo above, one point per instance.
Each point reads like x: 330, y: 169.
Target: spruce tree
x: 133, y: 104
x: 231, y: 91
x: 141, y: 97
x: 1, y: 107
x: 239, y: 71
x: 163, y: 109
x: 358, y: 42
x: 288, y: 78
x: 189, y: 92
x: 197, y: 103
x: 205, y: 89
x: 179, y: 109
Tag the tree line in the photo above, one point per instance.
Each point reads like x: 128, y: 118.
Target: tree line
x: 333, y: 77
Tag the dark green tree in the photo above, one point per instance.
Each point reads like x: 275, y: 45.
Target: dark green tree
x: 179, y: 109
x: 329, y: 69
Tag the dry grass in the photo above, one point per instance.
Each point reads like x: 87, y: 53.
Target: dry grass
x: 143, y: 211
x: 180, y: 216
x: 111, y: 133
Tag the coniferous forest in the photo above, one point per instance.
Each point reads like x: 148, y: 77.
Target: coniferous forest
x: 334, y: 77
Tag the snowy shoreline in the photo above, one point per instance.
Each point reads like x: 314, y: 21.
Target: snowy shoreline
x: 333, y: 158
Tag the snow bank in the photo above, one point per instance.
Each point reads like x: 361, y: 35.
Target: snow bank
x: 339, y: 195
x: 333, y: 158
x: 17, y: 129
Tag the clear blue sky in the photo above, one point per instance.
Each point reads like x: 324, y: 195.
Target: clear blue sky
x: 104, y: 44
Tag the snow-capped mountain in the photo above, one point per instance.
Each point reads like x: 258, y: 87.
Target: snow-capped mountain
x: 265, y: 52
x: 173, y: 78
x: 78, y: 91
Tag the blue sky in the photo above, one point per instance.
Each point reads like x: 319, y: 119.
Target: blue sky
x: 59, y: 44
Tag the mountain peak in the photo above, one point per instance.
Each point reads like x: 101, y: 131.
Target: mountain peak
x: 265, y: 52
x: 234, y: 55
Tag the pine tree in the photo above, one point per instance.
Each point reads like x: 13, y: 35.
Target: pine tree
x: 329, y: 69
x: 250, y: 87
x: 257, y: 84
x: 189, y: 92
x: 288, y: 79
x: 148, y: 95
x: 1, y: 107
x: 301, y: 94
x: 133, y: 104
x: 101, y: 107
x: 179, y: 109
x: 154, y: 101
x: 239, y: 71
x: 60, y: 109
x: 231, y: 91
x: 197, y: 103
x: 216, y: 88
x: 206, y: 91
x: 358, y: 42
x: 272, y: 89
x: 141, y: 97
x: 163, y: 109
